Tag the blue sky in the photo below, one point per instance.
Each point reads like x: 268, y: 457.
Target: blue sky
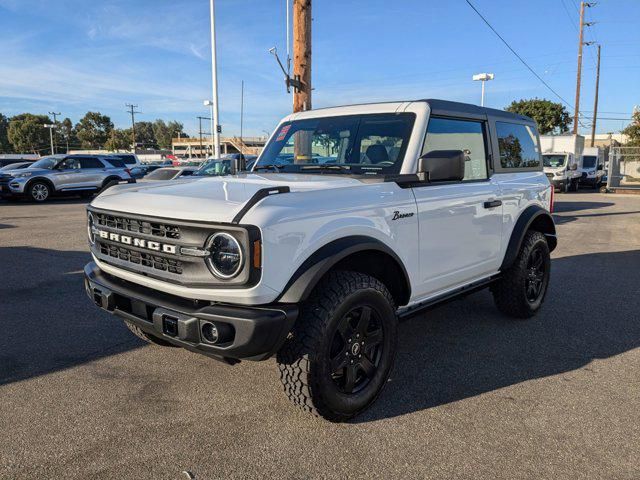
x: 77, y: 55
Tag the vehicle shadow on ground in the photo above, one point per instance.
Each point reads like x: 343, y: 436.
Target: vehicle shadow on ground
x: 47, y: 321
x: 467, y: 348
x: 53, y: 200
x: 561, y: 206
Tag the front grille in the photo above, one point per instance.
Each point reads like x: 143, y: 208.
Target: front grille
x: 5, y: 179
x: 139, y: 258
x: 138, y: 226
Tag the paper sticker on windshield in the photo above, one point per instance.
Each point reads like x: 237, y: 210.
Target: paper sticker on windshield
x: 283, y: 133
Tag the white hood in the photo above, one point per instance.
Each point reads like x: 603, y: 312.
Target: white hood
x: 207, y: 199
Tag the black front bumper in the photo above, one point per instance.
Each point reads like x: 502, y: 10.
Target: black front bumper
x: 256, y: 332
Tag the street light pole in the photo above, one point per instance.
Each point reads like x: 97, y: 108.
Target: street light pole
x: 50, y: 127
x: 483, y: 77
x: 209, y: 103
x: 214, y: 83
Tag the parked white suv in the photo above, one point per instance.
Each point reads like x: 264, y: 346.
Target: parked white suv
x: 351, y: 218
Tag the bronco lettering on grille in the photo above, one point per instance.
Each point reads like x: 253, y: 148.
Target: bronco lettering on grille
x: 138, y: 242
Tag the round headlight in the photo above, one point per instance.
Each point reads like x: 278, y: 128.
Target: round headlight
x: 90, y: 229
x: 226, y: 257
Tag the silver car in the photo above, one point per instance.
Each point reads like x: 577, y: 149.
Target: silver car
x: 63, y: 174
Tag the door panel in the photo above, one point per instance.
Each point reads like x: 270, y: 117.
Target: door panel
x: 460, y: 238
x: 459, y: 222
x: 67, y: 174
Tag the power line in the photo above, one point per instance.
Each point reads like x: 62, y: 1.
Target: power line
x: 518, y: 56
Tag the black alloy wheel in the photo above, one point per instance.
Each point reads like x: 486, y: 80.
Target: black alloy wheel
x: 535, y: 279
x: 356, y: 349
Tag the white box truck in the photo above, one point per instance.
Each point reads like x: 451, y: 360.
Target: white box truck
x: 561, y: 156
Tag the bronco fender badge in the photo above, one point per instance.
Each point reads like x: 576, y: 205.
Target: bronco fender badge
x: 397, y: 215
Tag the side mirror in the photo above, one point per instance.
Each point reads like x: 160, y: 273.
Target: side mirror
x: 599, y: 167
x: 441, y: 165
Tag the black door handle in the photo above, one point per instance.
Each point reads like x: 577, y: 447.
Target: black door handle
x: 492, y: 204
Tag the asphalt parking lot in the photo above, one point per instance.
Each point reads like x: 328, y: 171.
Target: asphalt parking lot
x: 473, y: 394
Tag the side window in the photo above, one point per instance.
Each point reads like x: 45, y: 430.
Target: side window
x: 518, y: 145
x: 69, y: 163
x: 116, y: 162
x: 465, y: 135
x: 90, y: 162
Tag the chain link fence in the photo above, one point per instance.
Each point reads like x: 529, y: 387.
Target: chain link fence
x: 623, y: 171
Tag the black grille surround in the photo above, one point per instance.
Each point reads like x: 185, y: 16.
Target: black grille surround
x: 143, y: 259
x: 131, y: 225
x: 168, y: 263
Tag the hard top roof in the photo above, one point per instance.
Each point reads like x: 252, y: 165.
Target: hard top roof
x: 437, y: 107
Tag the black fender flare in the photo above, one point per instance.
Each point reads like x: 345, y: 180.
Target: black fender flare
x: 322, y: 260
x: 532, y: 216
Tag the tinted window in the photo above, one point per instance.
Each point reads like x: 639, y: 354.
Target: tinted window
x: 116, y: 162
x: 69, y: 163
x: 518, y: 145
x: 90, y: 162
x: 465, y: 135
x: 186, y: 173
x: 589, y: 161
x: 128, y: 159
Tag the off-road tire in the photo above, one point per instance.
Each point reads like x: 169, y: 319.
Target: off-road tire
x: 145, y: 336
x: 510, y: 292
x: 303, y: 360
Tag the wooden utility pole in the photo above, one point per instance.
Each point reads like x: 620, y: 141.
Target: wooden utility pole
x: 132, y: 111
x: 302, y: 54
x: 595, y: 103
x: 581, y: 43
x: 579, y: 74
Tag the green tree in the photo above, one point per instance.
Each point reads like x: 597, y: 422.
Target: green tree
x: 145, y: 135
x: 551, y: 117
x: 67, y: 134
x: 26, y: 133
x: 119, y: 139
x: 165, y: 132
x: 633, y: 130
x: 93, y: 130
x: 5, y: 146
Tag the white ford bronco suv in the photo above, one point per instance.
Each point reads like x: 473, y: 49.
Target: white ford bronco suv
x: 351, y: 218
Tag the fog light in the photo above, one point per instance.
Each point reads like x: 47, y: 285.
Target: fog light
x: 216, y: 333
x: 209, y: 332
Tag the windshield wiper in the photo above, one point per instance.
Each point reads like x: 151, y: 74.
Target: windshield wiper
x: 269, y: 166
x: 326, y: 166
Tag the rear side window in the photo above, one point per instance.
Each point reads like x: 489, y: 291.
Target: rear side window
x: 128, y: 159
x: 116, y: 162
x: 465, y: 135
x: 90, y: 162
x: 518, y: 145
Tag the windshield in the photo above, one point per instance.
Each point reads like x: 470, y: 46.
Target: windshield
x: 589, y: 162
x: 360, y: 144
x: 46, y: 162
x: 554, y: 161
x: 214, y: 168
x: 162, y: 174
